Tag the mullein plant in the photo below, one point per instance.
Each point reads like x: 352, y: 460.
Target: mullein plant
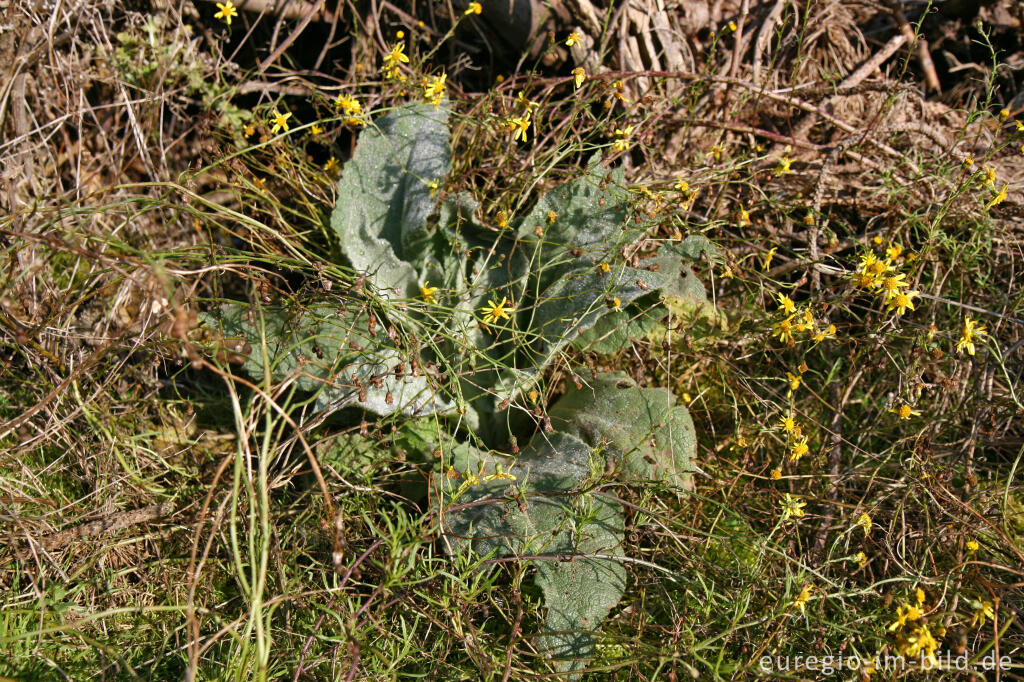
x: 451, y: 329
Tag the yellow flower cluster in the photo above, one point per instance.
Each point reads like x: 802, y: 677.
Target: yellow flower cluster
x: 915, y: 639
x: 351, y: 107
x: 988, y: 179
x: 472, y: 479
x: 799, y: 322
x: 689, y: 193
x: 882, y: 275
x: 393, y: 62
x: 621, y: 142
x: 520, y: 124
x: 434, y: 90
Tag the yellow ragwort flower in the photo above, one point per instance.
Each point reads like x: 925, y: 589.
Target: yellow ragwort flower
x: 902, y: 301
x: 279, y: 122
x: 870, y: 265
x: 332, y: 166
x: 865, y: 280
x: 826, y: 333
x: 998, y: 199
x: 393, y: 60
x: 520, y: 125
x: 691, y: 199
x: 621, y: 142
x: 790, y: 425
x: 801, y: 599
x: 967, y: 335
x: 864, y: 521
x: 861, y: 558
x: 775, y: 474
x: 904, y: 411
x: 434, y: 90
x: 784, y: 331
x: 497, y: 311
x: 427, y: 292
x: 794, y: 381
x: 786, y: 304
x: 742, y: 217
x: 578, y: 76
x: 783, y: 167
x: 905, y: 614
x: 806, y: 322
x: 982, y: 611
x: 348, y: 104
x: 573, y: 39
x: 396, y: 56
x: 768, y: 258
x: 792, y: 507
x: 474, y: 8
x: 798, y: 449
x: 920, y: 643
x: 990, y: 177
x: 973, y: 545
x: 226, y: 12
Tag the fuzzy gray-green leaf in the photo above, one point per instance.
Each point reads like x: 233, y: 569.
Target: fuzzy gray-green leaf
x: 384, y: 195
x: 560, y: 527
x: 321, y: 348
x: 643, y: 429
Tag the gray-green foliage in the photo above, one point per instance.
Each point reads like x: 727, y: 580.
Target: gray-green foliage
x: 549, y: 264
x: 549, y: 512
